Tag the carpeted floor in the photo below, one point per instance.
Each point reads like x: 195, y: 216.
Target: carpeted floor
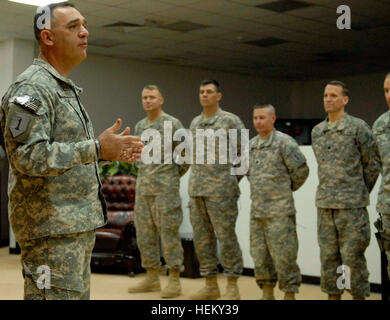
x: 114, y: 286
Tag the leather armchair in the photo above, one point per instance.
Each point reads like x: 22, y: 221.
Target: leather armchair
x: 116, y: 243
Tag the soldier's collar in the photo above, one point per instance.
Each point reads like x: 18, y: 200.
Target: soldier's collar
x: 54, y: 73
x: 269, y: 139
x: 340, y: 125
x: 159, y: 118
x: 213, y: 118
x: 267, y: 142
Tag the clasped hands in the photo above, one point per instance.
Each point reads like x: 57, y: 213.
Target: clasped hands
x: 120, y: 147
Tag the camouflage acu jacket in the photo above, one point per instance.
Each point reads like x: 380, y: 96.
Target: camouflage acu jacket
x: 276, y: 168
x: 381, y: 131
x: 54, y: 186
x: 156, y: 179
x: 214, y: 180
x: 347, y: 165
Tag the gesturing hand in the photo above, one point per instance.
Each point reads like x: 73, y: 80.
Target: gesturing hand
x: 121, y: 147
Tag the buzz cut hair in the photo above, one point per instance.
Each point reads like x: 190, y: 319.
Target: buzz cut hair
x: 345, y: 91
x: 52, y: 6
x: 270, y: 108
x: 387, y: 75
x: 152, y: 87
x: 214, y: 82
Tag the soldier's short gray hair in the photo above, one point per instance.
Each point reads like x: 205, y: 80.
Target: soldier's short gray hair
x: 152, y: 87
x: 270, y: 108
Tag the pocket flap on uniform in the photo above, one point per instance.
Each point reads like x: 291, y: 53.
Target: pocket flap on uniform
x: 168, y: 202
x: 66, y: 94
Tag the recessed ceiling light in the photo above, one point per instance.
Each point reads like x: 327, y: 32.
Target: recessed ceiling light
x: 37, y: 3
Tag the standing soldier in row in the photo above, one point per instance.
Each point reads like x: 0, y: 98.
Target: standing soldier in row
x: 276, y: 168
x: 381, y: 131
x: 158, y: 212
x: 213, y: 194
x: 347, y: 171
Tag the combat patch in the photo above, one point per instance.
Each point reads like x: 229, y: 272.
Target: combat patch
x: 19, y: 123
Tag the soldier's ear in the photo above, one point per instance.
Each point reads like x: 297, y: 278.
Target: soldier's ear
x: 219, y: 94
x: 346, y: 99
x: 47, y: 37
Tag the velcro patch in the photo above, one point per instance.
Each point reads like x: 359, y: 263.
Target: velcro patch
x: 19, y: 123
x: 30, y: 103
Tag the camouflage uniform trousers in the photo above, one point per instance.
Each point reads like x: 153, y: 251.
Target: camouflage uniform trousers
x: 386, y: 233
x: 274, y: 248
x: 215, y: 218
x: 68, y: 258
x: 343, y: 236
x: 155, y: 220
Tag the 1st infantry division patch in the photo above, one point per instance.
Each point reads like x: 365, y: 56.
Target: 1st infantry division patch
x: 19, y: 123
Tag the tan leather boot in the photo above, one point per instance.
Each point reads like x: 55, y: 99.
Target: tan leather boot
x: 334, y: 296
x: 149, y: 284
x: 232, y: 292
x: 208, y: 292
x: 173, y: 289
x: 289, y: 296
x: 268, y: 292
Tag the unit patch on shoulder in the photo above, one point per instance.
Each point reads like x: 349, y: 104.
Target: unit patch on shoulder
x: 19, y: 123
x: 30, y: 103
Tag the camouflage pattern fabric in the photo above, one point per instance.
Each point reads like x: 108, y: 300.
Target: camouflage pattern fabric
x: 68, y: 258
x: 213, y: 218
x: 386, y: 234
x: 274, y: 248
x: 381, y: 131
x: 154, y: 179
x: 347, y: 165
x: 54, y: 185
x: 214, y: 179
x: 213, y: 200
x: 343, y: 236
x: 347, y: 171
x: 158, y: 210
x: 159, y: 217
x: 276, y: 169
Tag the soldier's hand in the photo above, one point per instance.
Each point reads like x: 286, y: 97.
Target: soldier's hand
x: 121, y: 147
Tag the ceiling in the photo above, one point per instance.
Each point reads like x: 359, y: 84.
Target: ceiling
x: 293, y: 40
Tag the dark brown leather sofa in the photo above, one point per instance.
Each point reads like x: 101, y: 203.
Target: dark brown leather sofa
x: 116, y: 243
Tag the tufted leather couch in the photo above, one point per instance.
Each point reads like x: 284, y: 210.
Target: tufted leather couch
x: 116, y: 243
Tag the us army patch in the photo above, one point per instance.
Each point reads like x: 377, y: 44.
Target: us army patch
x: 30, y: 103
x: 19, y: 123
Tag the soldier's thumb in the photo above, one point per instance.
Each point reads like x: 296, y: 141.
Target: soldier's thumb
x: 116, y: 126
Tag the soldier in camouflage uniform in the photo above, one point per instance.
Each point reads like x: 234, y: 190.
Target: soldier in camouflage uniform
x: 381, y: 131
x: 54, y: 186
x: 276, y: 168
x: 213, y: 201
x: 347, y: 172
x: 158, y: 212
